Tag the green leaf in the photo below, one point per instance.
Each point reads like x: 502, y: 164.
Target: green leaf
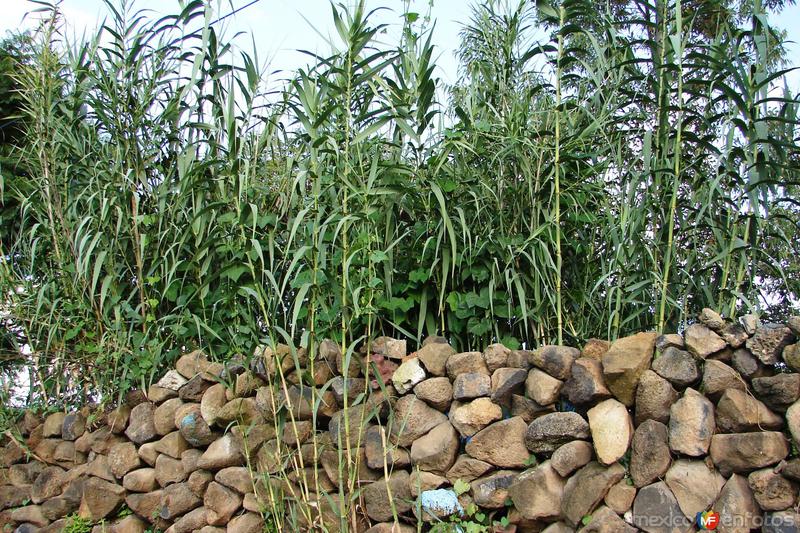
x: 461, y: 487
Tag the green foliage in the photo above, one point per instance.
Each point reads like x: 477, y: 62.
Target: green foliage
x: 616, y: 175
x: 77, y: 524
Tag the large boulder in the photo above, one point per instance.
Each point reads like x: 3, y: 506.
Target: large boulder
x: 656, y: 510
x: 654, y: 398
x: 745, y: 452
x: 769, y: 341
x: 650, y: 454
x: 436, y: 451
x: 694, y: 484
x: 611, y: 429
x: 691, y: 424
x: 548, y: 432
x: 537, y: 493
x: 501, y: 444
x: 469, y: 418
x: 587, y: 488
x: 413, y: 418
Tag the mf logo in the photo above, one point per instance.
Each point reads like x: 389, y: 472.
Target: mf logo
x: 707, y: 520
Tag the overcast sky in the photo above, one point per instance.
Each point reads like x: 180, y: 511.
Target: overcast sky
x: 281, y: 27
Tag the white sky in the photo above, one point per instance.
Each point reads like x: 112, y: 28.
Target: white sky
x: 281, y: 27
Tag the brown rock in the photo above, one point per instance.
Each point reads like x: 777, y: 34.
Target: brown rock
x: 737, y: 505
x: 378, y: 450
x: 193, y: 390
x: 542, y: 387
x: 164, y: 416
x: 734, y: 335
x: 297, y: 433
x: 122, y: 458
x: 99, y: 467
x: 434, y: 357
x: 501, y: 444
x: 691, y: 424
x: 169, y: 470
x: 519, y: 359
x: 173, y: 445
x: 656, y: 510
x: 491, y: 491
x: 30, y: 514
x: 745, y: 452
x: 605, y: 520
x: 571, y: 456
x: 555, y: 360
x: 73, y: 426
x: 620, y: 497
x: 236, y: 478
x: 471, y: 385
x: 419, y: 481
x: 176, y: 500
x: 625, y: 362
x: 496, y: 356
x: 141, y: 480
x: 436, y: 451
x: 223, y: 452
x: 247, y: 384
x: 746, y: 363
x: 191, y: 521
x: 587, y: 488
x: 528, y: 409
x: 467, y: 468
x: 719, y: 377
x: 595, y: 349
x: 550, y: 431
x: 694, y: 484
x: 53, y: 424
x: 791, y: 355
x: 650, y: 454
x: 246, y: 523
x: 505, y: 382
x: 701, y: 341
x: 537, y: 492
x: 585, y: 384
x: 772, y: 491
x: 679, y: 367
x: 212, y: 402
x: 769, y: 341
x: 654, y: 398
x: 738, y: 412
x: 190, y: 364
x: 141, y: 426
x: 158, y: 394
x: 436, y: 392
x: 778, y: 391
x: 466, y: 363
x: 221, y: 503
x: 100, y: 499
x: 49, y: 483
x: 377, y: 496
x: 412, y: 419
x: 198, y: 482
x: 147, y: 505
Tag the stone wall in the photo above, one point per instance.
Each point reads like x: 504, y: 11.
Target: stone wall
x: 642, y: 433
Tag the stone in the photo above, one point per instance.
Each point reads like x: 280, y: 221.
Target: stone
x: 169, y: 470
x: 73, y: 426
x: 177, y: 500
x: 434, y: 357
x: 412, y: 419
x: 241, y: 410
x: 190, y: 364
x: 141, y: 427
x: 389, y: 347
x: 56, y: 508
x: 587, y: 488
x: 667, y: 340
x: 164, y: 416
x: 391, y: 527
x: 158, y: 394
x: 172, y: 380
x: 496, y: 356
x: 100, y: 499
x: 23, y: 475
x: 193, y: 390
x: 656, y: 510
x: 193, y: 426
x: 436, y: 392
x: 12, y: 497
x: 678, y: 367
x: 772, y: 491
x: 791, y: 355
x: 501, y: 444
x: 212, y: 402
x: 297, y: 433
x: 769, y: 341
x: 379, y: 450
x: 745, y: 452
x: 221, y: 503
x: 190, y: 458
x: 141, y: 480
x: 471, y: 385
x: 571, y: 456
x: 49, y: 483
x: 794, y: 324
x: 30, y: 514
x: 53, y: 424
x: 122, y: 458
x: 711, y: 319
x: 117, y: 418
x: 749, y: 322
x: 555, y: 360
x: 550, y: 431
x: 491, y: 491
x: 528, y: 409
x: 192, y: 521
x: 585, y: 384
x: 650, y: 454
x: 436, y: 451
x: 737, y: 504
x: 408, y: 374
x: 437, y: 505
x: 701, y: 341
x: 379, y: 496
x: 781, y: 522
x: 595, y: 349
x: 694, y: 484
x: 778, y: 391
x: 247, y: 384
x: 537, y: 492
x: 147, y: 504
x: 467, y: 468
x: 349, y: 388
x: 542, y: 387
x: 147, y: 453
x: 198, y: 481
x: 611, y: 429
x: 173, y: 445
x: 519, y: 359
x: 466, y: 363
x: 738, y: 412
x: 625, y: 362
x: 605, y: 520
x: 505, y: 382
x: 719, y: 377
x: 620, y: 497
x: 237, y: 478
x: 793, y: 421
x: 246, y: 523
x: 223, y: 452
x: 351, y: 427
x: 691, y: 424
x: 734, y: 335
x: 746, y: 363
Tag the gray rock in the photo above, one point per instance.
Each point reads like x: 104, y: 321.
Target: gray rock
x: 769, y: 341
x: 738, y: 412
x: 586, y: 384
x: 746, y: 363
x: 654, y: 398
x: 471, y: 385
x: 555, y: 360
x: 691, y: 424
x: 737, y: 505
x: 650, y: 454
x: 587, y: 488
x: 678, y: 367
x: 505, y: 382
x: 778, y: 391
x: 548, y: 432
x: 719, y: 377
x: 772, y: 491
x: 656, y: 510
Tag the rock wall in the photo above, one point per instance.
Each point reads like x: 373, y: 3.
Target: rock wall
x: 642, y: 433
